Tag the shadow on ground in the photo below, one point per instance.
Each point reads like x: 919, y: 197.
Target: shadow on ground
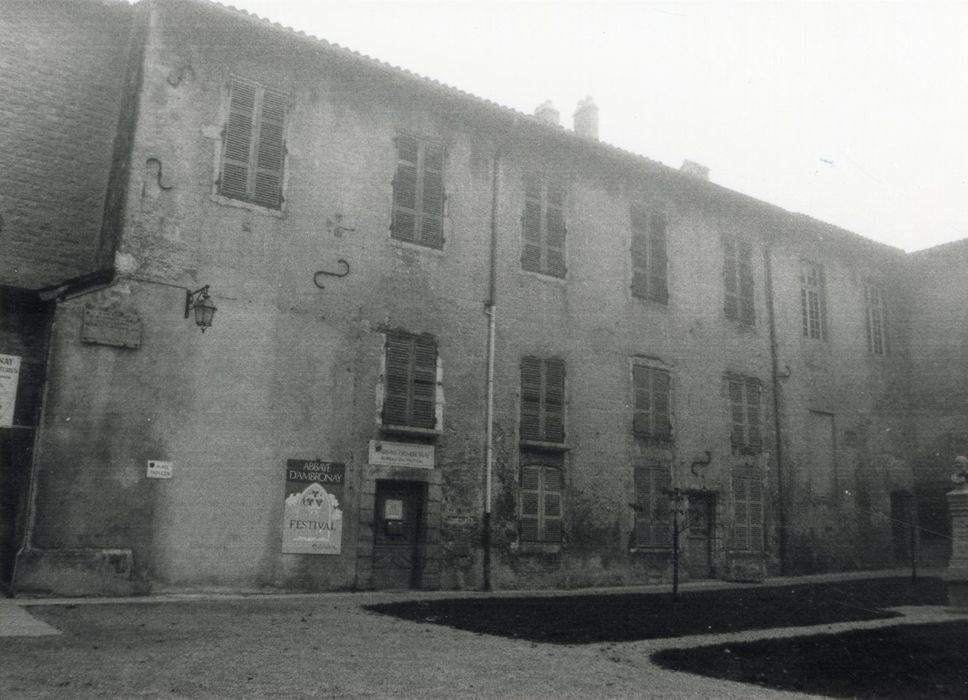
x: 618, y: 617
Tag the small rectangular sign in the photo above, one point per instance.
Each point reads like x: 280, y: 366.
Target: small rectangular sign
x: 159, y: 470
x: 401, y: 454
x: 9, y: 378
x: 119, y: 328
x: 313, y: 513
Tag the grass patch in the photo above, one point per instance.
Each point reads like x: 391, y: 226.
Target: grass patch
x: 906, y: 661
x: 621, y: 617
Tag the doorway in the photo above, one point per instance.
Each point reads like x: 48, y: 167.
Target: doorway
x: 699, y: 534
x: 398, y: 534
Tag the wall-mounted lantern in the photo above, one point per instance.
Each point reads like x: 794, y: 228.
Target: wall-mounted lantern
x: 201, y: 303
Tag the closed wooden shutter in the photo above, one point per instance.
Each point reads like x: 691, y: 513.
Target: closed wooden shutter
x: 253, y: 151
x: 651, y: 417
x: 543, y: 227
x: 653, y: 516
x: 754, y: 437
x: 418, y: 192
x: 730, y: 281
x: 745, y: 269
x: 640, y: 253
x: 555, y: 233
x: 528, y: 522
x: 649, y: 263
x: 432, y: 197
x: 542, y: 400
x: 737, y: 411
x: 747, y: 508
x: 532, y: 225
x: 411, y: 381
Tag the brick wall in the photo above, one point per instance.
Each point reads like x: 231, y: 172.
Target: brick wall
x: 61, y: 66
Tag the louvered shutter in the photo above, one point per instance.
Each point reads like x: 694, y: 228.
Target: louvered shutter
x: 745, y: 265
x: 754, y: 438
x: 532, y: 226
x: 237, y: 146
x: 658, y: 284
x: 741, y: 515
x: 270, y: 153
x: 730, y: 279
x: 737, y: 407
x: 755, y: 512
x: 640, y: 253
x: 424, y: 384
x: 662, y: 425
x: 404, y: 224
x: 822, y: 291
x: 531, y: 399
x: 432, y: 196
x: 555, y: 231
x: 643, y: 500
x: 396, y: 400
x: 652, y: 521
x: 662, y: 482
x: 530, y: 504
x: 554, y: 401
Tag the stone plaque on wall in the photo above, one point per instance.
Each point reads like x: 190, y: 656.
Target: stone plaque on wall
x: 111, y: 327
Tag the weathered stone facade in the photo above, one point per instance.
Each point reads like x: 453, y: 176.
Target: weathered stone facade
x: 295, y: 364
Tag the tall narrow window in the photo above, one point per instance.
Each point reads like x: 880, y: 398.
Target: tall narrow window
x: 541, y: 509
x: 747, y: 508
x: 649, y: 256
x: 542, y: 400
x: 411, y: 381
x: 738, y: 280
x: 876, y: 314
x: 543, y: 247
x: 253, y: 145
x: 418, y: 192
x: 813, y: 304
x: 744, y: 405
x: 651, y: 403
x: 653, y: 525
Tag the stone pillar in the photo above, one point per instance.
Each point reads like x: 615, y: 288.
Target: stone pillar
x: 956, y: 576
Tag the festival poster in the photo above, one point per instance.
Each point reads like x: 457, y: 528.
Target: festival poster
x: 314, y: 510
x: 9, y: 376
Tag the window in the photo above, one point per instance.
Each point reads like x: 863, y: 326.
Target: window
x: 542, y: 400
x: 411, y: 381
x: 876, y: 331
x: 540, y: 519
x: 651, y: 403
x: 812, y: 301
x: 253, y: 145
x: 649, y: 256
x: 653, y: 512
x: 544, y: 227
x: 738, y: 278
x: 744, y: 406
x: 747, y: 508
x: 418, y: 192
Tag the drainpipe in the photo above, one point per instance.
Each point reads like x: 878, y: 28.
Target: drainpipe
x: 490, y: 307
x: 777, y: 422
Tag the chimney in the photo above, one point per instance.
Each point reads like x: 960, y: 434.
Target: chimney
x: 547, y: 113
x: 693, y: 169
x: 586, y: 119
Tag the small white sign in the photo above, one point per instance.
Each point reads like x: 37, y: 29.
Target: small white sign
x: 159, y: 470
x: 9, y: 376
x: 401, y: 454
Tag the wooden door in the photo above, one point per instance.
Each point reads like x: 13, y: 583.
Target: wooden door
x: 398, y: 534
x: 699, y: 534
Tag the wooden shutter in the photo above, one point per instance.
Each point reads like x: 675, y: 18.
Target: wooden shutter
x: 404, y: 224
x: 254, y: 145
x: 554, y: 401
x: 651, y: 417
x: 542, y: 400
x: 747, y: 508
x: 661, y: 422
x: 745, y: 268
x: 653, y: 518
x: 658, y: 283
x: 552, y: 507
x: 640, y: 253
x: 730, y: 282
x: 411, y: 381
x: 755, y: 491
x: 642, y: 401
x: 737, y: 411
x: 555, y: 231
x: 753, y: 435
x: 531, y: 399
x: 532, y: 225
x: 741, y: 517
x: 432, y: 196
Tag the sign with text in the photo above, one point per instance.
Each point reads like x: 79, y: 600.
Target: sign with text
x: 9, y: 377
x: 313, y: 522
x: 401, y: 454
x: 159, y: 470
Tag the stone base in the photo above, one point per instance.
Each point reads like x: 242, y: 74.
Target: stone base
x: 956, y: 581
x: 76, y: 572
x: 746, y: 568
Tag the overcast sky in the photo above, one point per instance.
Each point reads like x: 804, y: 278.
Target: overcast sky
x: 854, y: 113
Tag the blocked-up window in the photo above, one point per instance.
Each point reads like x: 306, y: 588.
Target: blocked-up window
x: 649, y: 276
x: 876, y: 318
x: 543, y: 247
x: 813, y: 303
x: 541, y: 504
x: 418, y: 192
x: 542, y: 400
x: 653, y: 509
x: 253, y: 148
x: 738, y: 280
x: 747, y: 508
x: 744, y: 407
x: 410, y: 389
x: 651, y: 402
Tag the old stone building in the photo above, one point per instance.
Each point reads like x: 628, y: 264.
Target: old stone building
x: 455, y: 345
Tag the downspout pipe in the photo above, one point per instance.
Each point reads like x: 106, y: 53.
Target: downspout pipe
x: 777, y: 408
x: 490, y: 308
